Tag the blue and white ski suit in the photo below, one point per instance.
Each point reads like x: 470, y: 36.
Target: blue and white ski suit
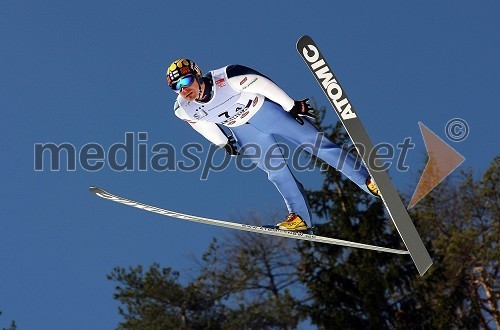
x: 256, y: 110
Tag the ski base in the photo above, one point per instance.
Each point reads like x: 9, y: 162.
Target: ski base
x: 233, y: 225
x: 337, y: 97
x: 308, y: 231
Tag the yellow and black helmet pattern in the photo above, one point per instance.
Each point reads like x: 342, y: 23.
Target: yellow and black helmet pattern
x: 182, y: 67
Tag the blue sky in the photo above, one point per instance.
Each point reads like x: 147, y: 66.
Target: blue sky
x: 82, y: 72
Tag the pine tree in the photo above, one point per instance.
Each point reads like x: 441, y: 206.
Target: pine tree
x: 354, y: 289
x: 155, y: 299
x: 245, y: 282
x: 461, y: 222
x: 350, y: 288
x: 255, y: 274
x: 251, y: 281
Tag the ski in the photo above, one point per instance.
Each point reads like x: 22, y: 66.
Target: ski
x: 336, y: 95
x: 245, y: 227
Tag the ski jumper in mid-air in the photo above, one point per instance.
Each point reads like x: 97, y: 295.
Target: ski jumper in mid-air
x: 256, y: 110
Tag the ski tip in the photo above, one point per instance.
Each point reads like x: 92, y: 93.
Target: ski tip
x: 304, y: 37
x: 94, y: 189
x: 304, y: 40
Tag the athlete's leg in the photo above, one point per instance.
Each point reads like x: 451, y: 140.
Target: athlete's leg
x: 273, y: 119
x: 270, y: 158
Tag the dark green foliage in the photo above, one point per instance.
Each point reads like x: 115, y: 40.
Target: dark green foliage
x: 241, y: 285
x: 462, y: 225
x: 154, y: 299
x: 350, y: 288
x: 355, y: 289
x: 251, y: 281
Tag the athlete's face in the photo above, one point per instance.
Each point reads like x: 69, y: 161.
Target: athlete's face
x: 190, y: 92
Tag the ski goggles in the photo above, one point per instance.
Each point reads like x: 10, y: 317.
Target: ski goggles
x: 185, y: 81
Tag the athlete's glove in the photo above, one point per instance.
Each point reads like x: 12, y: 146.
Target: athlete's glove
x: 231, y: 146
x: 302, y: 109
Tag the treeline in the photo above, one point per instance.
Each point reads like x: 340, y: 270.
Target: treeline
x: 252, y: 281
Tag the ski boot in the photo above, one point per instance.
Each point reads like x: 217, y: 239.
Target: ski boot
x: 293, y: 222
x: 372, y: 187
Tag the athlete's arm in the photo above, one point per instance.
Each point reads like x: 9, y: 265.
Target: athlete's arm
x: 209, y: 130
x: 246, y: 79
